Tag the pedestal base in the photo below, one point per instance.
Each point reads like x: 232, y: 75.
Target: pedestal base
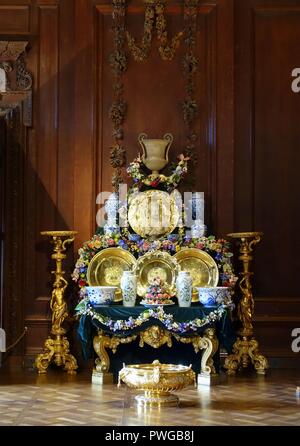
x: 57, y: 351
x: 157, y: 400
x: 208, y: 380
x: 101, y: 378
x: 245, y: 351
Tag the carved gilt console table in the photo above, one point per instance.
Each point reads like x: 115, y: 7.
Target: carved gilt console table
x: 99, y: 338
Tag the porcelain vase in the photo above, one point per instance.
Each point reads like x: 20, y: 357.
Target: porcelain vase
x: 184, y: 287
x: 111, y: 207
x: 128, y: 286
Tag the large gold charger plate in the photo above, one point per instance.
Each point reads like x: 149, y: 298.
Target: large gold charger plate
x: 156, y: 264
x: 153, y: 213
x: 201, y: 266
x: 107, y: 266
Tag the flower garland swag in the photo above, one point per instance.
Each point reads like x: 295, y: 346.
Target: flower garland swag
x: 118, y: 109
x: 154, y: 18
x: 219, y: 249
x: 140, y: 177
x: 84, y: 308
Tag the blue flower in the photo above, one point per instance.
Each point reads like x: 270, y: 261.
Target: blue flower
x: 123, y: 244
x: 218, y: 256
x: 173, y: 237
x: 134, y: 237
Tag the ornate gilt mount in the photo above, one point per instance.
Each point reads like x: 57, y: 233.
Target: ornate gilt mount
x: 245, y: 349
x: 56, y: 348
x: 156, y: 337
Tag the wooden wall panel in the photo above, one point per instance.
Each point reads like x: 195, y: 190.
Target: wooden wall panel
x: 276, y: 158
x: 47, y: 130
x: 14, y: 19
x: 85, y: 98
x: 267, y: 35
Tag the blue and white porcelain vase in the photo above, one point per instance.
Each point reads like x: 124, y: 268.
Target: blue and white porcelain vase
x: 111, y: 207
x: 184, y: 287
x: 128, y: 285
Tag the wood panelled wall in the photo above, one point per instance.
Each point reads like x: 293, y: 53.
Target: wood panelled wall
x: 267, y: 134
x: 247, y: 149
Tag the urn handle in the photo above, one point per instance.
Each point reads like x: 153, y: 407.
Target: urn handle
x: 141, y: 138
x: 169, y: 138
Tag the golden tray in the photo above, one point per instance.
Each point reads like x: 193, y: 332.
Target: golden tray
x: 157, y: 381
x: 153, y: 214
x: 107, y: 266
x: 156, y: 264
x: 201, y: 266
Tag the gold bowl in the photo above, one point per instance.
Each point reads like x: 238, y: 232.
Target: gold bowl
x: 157, y: 381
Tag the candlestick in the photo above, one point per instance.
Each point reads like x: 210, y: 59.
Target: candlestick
x: 56, y: 348
x: 245, y: 349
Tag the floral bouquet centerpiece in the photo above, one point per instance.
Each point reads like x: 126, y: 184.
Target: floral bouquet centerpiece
x: 156, y: 294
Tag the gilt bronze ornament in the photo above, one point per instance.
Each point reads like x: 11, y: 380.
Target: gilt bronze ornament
x: 245, y: 349
x: 56, y: 348
x: 157, y: 381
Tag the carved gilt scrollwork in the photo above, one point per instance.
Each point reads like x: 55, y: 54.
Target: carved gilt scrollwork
x: 156, y: 337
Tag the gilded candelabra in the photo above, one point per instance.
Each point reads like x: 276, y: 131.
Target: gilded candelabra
x: 56, y: 347
x: 245, y: 349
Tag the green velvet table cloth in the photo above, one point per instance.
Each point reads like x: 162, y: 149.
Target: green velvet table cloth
x: 88, y: 328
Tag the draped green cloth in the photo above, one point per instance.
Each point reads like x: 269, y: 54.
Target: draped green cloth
x: 88, y: 328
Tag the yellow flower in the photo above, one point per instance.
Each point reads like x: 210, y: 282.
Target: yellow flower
x: 177, y: 248
x: 97, y: 244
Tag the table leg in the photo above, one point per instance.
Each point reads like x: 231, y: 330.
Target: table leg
x: 101, y: 373
x: 209, y: 343
x: 101, y: 342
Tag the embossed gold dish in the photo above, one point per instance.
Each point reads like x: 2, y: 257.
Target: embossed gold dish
x: 157, y: 381
x: 156, y: 264
x: 106, y: 268
x: 153, y: 214
x: 201, y: 266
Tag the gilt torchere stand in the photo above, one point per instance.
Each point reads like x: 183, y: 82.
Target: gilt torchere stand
x: 56, y: 347
x: 245, y: 349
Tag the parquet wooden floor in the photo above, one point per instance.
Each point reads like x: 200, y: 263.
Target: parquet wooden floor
x: 57, y: 399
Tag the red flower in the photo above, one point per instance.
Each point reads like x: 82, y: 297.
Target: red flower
x: 154, y: 183
x: 81, y: 283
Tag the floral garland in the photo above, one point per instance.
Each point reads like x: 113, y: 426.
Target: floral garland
x: 219, y: 249
x: 154, y: 15
x: 170, y: 182
x: 118, y: 109
x: 190, y: 70
x: 84, y: 308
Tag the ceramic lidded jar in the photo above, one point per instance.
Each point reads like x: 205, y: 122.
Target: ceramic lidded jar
x: 184, y: 287
x: 128, y: 285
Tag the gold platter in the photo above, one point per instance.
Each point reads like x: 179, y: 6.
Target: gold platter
x: 156, y: 264
x: 106, y: 268
x: 153, y: 214
x: 201, y: 266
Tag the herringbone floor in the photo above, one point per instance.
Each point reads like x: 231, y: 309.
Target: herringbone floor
x: 60, y: 400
